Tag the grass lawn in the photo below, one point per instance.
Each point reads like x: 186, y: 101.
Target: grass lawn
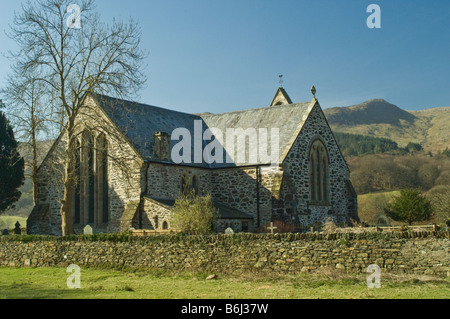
x: 44, y: 283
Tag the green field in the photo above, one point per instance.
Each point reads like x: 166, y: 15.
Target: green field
x: 44, y: 283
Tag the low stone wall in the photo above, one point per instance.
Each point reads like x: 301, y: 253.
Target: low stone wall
x: 411, y: 253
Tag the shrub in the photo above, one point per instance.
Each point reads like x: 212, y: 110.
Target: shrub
x: 193, y: 214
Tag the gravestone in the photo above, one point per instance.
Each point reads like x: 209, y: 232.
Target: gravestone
x: 383, y: 221
x: 87, y: 230
x: 229, y: 231
x: 5, y: 232
x: 17, y: 229
x: 271, y: 227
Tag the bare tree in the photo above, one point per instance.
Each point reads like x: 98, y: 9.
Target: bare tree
x: 30, y: 115
x: 75, y: 63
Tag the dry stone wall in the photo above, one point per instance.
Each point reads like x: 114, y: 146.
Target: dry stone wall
x: 409, y: 253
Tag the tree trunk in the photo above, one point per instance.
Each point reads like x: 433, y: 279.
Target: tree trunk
x: 69, y: 183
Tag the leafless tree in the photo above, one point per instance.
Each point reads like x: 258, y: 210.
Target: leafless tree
x: 31, y: 116
x: 74, y: 64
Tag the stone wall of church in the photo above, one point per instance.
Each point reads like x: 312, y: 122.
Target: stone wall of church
x: 238, y: 188
x: 165, y: 181
x: 50, y: 189
x: 234, y: 187
x: 153, y: 216
x: 294, y: 202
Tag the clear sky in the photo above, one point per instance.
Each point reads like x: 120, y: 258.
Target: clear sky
x: 219, y: 56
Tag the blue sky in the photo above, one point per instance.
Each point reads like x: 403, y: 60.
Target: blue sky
x: 219, y: 56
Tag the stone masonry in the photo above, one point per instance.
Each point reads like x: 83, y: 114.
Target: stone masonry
x: 404, y: 253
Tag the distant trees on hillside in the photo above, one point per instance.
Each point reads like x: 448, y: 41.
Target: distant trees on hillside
x: 359, y: 145
x: 385, y: 172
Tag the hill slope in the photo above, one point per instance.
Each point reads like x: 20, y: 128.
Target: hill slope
x: 380, y: 118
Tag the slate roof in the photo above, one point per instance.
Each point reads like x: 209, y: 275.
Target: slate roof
x: 139, y: 122
x: 287, y: 118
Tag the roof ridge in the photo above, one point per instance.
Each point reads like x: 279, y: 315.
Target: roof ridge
x: 142, y: 104
x: 256, y: 109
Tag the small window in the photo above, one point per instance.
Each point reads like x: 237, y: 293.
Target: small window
x: 165, y: 225
x: 195, y: 184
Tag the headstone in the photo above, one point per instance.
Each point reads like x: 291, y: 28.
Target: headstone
x: 383, y: 221
x: 229, y: 231
x: 87, y: 230
x: 5, y: 232
x: 271, y: 227
x: 17, y: 229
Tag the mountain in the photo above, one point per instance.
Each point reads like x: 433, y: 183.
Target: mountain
x: 374, y: 111
x: 380, y: 118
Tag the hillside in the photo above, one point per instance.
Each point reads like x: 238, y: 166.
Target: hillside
x: 380, y: 118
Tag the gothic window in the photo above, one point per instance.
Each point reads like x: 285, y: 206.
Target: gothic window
x: 156, y: 222
x: 91, y: 196
x: 77, y: 195
x: 165, y: 225
x: 102, y: 178
x: 318, y: 173
x: 91, y: 176
x: 189, y: 184
x: 195, y: 184
x: 184, y: 185
x: 87, y: 177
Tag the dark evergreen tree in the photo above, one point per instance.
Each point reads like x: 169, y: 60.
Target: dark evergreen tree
x: 11, y: 166
x: 410, y: 206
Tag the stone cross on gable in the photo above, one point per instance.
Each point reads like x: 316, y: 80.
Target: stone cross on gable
x: 271, y: 227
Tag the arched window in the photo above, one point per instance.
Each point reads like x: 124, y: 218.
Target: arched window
x: 318, y: 173
x: 185, y: 187
x: 189, y: 185
x: 77, y: 193
x: 88, y: 182
x: 195, y: 184
x: 165, y: 225
x: 102, y: 179
x: 91, y: 196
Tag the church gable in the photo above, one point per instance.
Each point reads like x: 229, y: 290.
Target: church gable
x: 318, y: 176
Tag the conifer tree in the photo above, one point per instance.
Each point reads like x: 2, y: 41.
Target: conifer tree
x: 11, y: 166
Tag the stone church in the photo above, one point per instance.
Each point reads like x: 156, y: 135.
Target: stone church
x: 134, y: 160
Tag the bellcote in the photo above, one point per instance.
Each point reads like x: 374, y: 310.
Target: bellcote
x: 281, y: 98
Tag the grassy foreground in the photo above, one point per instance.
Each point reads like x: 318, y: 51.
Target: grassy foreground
x: 45, y: 283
